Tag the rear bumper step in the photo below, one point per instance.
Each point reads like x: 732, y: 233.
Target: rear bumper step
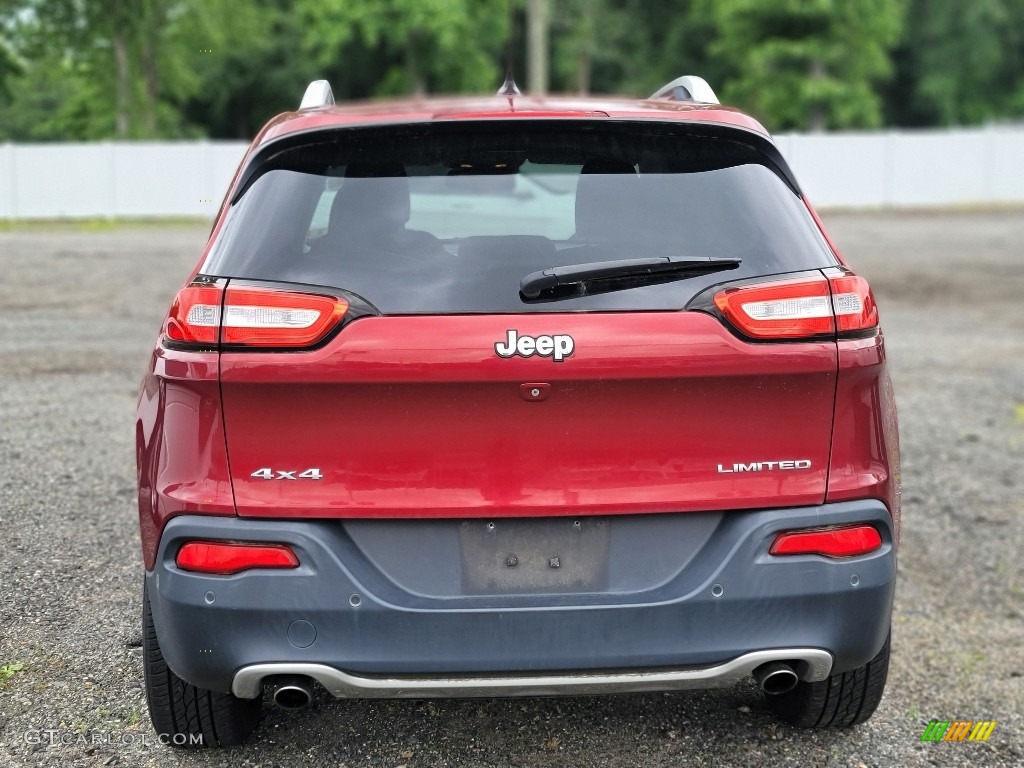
x: 811, y: 665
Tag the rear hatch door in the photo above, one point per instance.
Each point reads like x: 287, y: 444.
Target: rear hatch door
x: 456, y: 395
x: 421, y: 417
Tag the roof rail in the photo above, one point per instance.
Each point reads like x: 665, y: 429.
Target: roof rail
x: 318, y: 94
x: 687, y: 88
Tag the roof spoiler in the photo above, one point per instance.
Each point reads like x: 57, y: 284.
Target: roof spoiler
x: 687, y: 88
x: 318, y: 94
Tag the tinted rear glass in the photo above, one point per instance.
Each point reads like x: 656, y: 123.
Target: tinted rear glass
x: 448, y: 218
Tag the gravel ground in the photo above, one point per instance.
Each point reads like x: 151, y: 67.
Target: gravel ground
x: 78, y: 313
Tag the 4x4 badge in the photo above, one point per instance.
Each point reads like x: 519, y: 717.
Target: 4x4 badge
x: 556, y: 347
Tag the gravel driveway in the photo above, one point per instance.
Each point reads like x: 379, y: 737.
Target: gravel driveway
x: 79, y: 311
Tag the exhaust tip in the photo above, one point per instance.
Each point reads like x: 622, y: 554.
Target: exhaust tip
x: 775, y: 678
x: 293, y: 694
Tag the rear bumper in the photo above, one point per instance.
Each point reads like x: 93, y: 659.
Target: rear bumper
x: 383, y: 608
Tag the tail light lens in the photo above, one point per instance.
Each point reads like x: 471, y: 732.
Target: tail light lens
x: 263, y: 317
x: 801, y: 308
x: 848, y: 541
x: 208, y: 315
x: 195, y: 316
x: 782, y: 310
x: 223, y: 558
x: 854, y: 304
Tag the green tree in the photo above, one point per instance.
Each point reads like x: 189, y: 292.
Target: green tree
x: 418, y: 46
x: 55, y: 94
x: 666, y: 39
x: 93, y: 69
x: 806, y: 64
x: 959, y: 63
x: 241, y: 63
x: 9, y: 64
x: 595, y: 43
x: 1009, y: 84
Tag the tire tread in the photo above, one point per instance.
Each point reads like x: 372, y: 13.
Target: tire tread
x: 179, y: 709
x: 841, y: 701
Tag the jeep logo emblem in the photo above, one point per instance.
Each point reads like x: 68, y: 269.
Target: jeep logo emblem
x: 556, y: 347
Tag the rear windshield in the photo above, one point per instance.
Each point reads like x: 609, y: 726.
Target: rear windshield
x: 441, y: 219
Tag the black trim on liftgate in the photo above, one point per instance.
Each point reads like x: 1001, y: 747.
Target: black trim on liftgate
x: 264, y: 158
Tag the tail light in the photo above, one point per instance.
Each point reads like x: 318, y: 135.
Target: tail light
x: 208, y: 315
x: 848, y: 541
x: 263, y: 317
x: 836, y: 302
x: 223, y: 558
x: 195, y: 316
x: 854, y: 304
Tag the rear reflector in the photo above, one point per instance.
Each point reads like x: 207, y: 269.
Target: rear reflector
x: 832, y: 542
x: 224, y: 558
x: 800, y: 308
x: 206, y: 315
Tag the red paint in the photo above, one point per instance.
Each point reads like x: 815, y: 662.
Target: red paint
x: 180, y: 447
x: 497, y: 107
x: 418, y: 417
x: 865, y: 461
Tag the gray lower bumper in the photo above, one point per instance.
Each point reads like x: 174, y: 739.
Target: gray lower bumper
x: 811, y: 665
x: 387, y: 608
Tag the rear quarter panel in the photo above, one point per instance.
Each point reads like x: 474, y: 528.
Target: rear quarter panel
x: 180, y: 448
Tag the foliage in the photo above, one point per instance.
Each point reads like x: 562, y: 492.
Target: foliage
x: 241, y: 63
x: 9, y: 67
x: 594, y: 41
x: 98, y: 69
x: 7, y: 671
x: 807, y: 63
x: 960, y: 62
x: 93, y: 69
x: 415, y: 46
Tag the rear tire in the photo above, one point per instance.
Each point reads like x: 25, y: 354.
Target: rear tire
x: 184, y: 715
x: 840, y: 701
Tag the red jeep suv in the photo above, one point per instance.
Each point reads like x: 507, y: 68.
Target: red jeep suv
x: 514, y: 396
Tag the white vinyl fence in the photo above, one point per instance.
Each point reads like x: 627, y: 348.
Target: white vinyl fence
x: 899, y: 169
x: 885, y: 169
x: 113, y: 179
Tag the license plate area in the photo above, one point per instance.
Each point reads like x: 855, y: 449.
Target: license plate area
x: 544, y: 555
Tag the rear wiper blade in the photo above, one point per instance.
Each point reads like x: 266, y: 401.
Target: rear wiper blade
x: 602, y: 276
